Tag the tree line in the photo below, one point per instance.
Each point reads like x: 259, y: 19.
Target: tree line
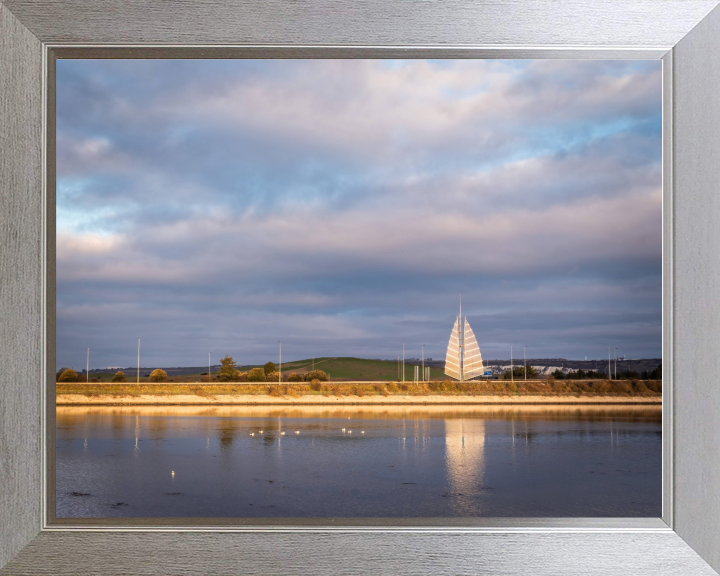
x: 229, y: 372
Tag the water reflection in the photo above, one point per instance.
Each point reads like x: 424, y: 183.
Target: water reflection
x: 398, y: 461
x: 464, y: 457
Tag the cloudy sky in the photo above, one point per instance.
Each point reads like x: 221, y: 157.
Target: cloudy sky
x: 342, y: 206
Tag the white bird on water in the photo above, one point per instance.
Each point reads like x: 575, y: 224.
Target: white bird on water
x: 297, y: 431
x: 343, y: 429
x: 282, y: 433
x: 362, y: 431
x: 349, y: 431
x: 252, y: 433
x: 260, y: 432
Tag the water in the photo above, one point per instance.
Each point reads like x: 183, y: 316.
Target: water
x: 409, y: 462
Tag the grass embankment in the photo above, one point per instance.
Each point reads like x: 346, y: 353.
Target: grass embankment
x: 577, y: 388
x: 342, y: 368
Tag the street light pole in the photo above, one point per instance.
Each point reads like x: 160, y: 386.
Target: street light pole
x: 403, y: 367
x: 423, y: 362
x: 525, y: 360
x: 280, y: 364
x: 138, y: 372
x: 615, y: 363
x: 87, y: 368
x: 209, y: 376
x: 512, y: 377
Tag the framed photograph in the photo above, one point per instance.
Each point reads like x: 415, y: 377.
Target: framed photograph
x: 638, y: 116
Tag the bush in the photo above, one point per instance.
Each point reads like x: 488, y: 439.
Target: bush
x: 392, y: 387
x: 119, y: 377
x: 316, y: 375
x: 316, y: 385
x: 512, y: 387
x: 294, y: 377
x: 269, y: 367
x: 158, y: 375
x: 273, y: 377
x: 256, y: 375
x: 68, y: 375
x: 242, y: 376
x: 59, y: 372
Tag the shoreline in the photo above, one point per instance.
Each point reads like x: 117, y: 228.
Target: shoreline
x: 317, y: 400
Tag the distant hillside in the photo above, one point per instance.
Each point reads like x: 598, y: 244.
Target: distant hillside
x: 551, y: 364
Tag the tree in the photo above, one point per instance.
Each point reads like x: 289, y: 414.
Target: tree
x: 316, y: 375
x: 256, y: 375
x: 269, y: 367
x: 273, y: 377
x: 68, y: 375
x: 558, y: 374
x: 518, y: 373
x: 158, y: 375
x: 119, y: 376
x: 294, y: 377
x: 228, y: 372
x: 657, y: 373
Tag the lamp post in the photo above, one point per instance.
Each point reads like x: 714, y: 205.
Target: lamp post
x: 403, y: 365
x: 525, y: 360
x: 280, y: 364
x: 138, y: 371
x: 209, y: 375
x: 512, y: 377
x: 423, y: 362
x: 615, y: 363
x: 87, y: 368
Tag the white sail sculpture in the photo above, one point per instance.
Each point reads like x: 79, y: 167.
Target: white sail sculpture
x: 463, y: 360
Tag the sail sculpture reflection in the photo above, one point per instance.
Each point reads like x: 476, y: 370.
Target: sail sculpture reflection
x: 465, y: 461
x: 463, y: 360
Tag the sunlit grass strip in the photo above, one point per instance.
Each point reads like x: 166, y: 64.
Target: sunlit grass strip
x: 634, y: 388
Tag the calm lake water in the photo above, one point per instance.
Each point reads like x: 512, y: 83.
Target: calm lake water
x: 396, y: 462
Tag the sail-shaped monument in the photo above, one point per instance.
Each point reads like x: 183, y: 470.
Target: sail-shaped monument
x: 463, y: 360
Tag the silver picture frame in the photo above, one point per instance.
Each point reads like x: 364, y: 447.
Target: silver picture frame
x: 685, y: 34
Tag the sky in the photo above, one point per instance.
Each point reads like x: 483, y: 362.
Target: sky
x: 342, y: 206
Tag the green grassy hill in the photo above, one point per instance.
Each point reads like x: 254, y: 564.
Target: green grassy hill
x: 343, y: 368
